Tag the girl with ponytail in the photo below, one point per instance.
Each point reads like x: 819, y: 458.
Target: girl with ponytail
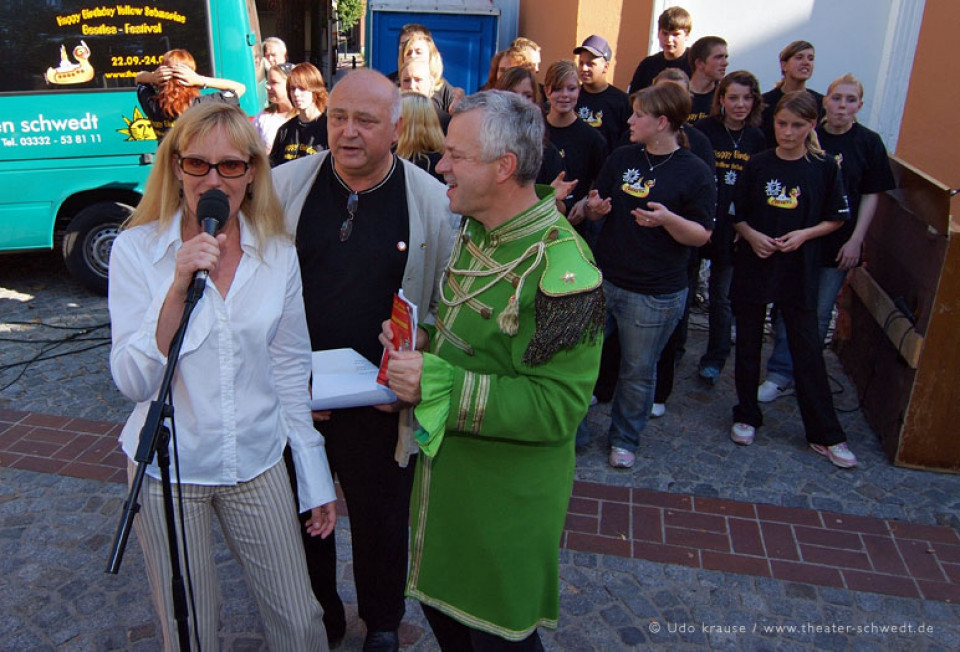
x: 656, y: 200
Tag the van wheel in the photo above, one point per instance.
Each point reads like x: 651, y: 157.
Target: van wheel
x: 88, y: 241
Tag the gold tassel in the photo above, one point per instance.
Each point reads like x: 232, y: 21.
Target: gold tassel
x: 509, y: 319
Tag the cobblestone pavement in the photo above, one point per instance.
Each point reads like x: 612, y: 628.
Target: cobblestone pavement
x: 55, y: 531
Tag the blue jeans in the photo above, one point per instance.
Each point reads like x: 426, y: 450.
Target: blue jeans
x: 780, y: 364
x: 644, y: 323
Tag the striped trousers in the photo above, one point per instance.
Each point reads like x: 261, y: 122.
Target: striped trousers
x: 260, y: 525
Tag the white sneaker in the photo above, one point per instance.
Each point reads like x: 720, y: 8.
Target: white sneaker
x: 840, y: 454
x: 658, y: 410
x: 770, y: 391
x: 742, y: 433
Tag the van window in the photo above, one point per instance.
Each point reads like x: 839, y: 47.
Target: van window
x: 70, y: 45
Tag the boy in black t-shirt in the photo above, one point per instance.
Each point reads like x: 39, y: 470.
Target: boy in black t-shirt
x: 708, y: 60
x: 673, y: 30
x: 601, y: 105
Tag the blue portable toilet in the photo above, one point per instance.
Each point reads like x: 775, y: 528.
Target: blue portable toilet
x: 465, y: 31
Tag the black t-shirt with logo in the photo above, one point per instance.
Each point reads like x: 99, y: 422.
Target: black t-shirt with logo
x: 296, y: 139
x: 731, y: 151
x: 866, y: 170
x: 701, y: 107
x: 607, y: 112
x: 643, y: 259
x: 775, y: 196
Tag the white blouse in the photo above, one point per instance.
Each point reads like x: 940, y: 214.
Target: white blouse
x: 241, y: 385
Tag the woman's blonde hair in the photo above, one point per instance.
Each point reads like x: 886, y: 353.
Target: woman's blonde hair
x: 163, y: 196
x: 557, y: 72
x: 420, y: 133
x: 282, y: 69
x: 434, y: 58
x: 804, y: 106
x: 173, y: 98
x: 847, y: 78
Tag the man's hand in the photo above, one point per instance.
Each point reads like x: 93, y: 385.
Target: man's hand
x: 404, y: 369
x: 322, y: 520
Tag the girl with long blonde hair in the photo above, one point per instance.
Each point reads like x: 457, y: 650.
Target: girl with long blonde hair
x: 785, y: 201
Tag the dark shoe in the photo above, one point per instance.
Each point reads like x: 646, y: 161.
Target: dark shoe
x: 335, y: 634
x: 381, y: 642
x: 709, y: 375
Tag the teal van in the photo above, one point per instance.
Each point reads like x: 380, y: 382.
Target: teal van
x: 75, y: 147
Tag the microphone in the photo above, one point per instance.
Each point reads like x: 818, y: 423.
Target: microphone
x: 213, y: 209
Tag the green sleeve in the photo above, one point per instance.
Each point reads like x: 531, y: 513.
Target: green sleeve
x: 542, y: 404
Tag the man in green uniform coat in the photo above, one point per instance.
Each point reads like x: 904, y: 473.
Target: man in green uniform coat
x: 503, y: 379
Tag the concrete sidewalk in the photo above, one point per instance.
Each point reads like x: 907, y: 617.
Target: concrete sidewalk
x: 703, y: 544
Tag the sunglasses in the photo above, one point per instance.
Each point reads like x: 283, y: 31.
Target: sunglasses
x: 347, y: 227
x: 228, y: 168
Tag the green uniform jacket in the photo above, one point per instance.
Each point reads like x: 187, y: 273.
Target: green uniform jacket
x: 498, y: 417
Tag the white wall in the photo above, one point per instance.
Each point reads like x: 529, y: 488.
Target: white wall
x: 873, y: 39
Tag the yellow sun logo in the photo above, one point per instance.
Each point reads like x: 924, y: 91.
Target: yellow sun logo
x: 139, y: 128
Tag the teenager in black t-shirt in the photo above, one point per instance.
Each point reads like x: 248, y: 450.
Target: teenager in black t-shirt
x: 708, y: 60
x: 306, y: 133
x: 866, y: 173
x: 601, y: 105
x: 520, y: 80
x: 657, y: 200
x: 673, y: 30
x: 580, y: 146
x: 733, y: 132
x: 785, y: 201
x: 675, y: 347
x: 796, y: 66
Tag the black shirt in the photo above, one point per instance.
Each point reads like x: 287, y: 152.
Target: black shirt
x: 702, y: 105
x: 642, y: 259
x: 428, y: 163
x: 770, y: 99
x: 731, y: 149
x: 296, y: 139
x: 866, y: 170
x: 607, y: 112
x: 775, y: 197
x: 348, y: 286
x: 551, y: 166
x: 652, y: 66
x: 161, y: 121
x: 582, y: 150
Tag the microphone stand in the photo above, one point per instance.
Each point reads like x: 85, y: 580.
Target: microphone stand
x: 155, y: 440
